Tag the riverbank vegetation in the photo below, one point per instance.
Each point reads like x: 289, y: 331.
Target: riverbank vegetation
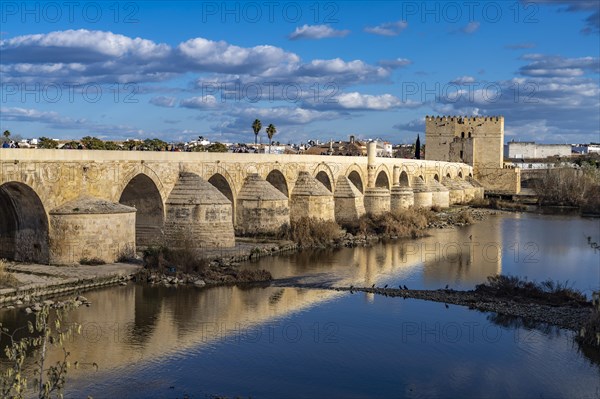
x: 49, y: 329
x: 571, y: 187
x: 7, y: 280
x: 410, y: 223
x: 589, y: 334
x: 549, y: 291
x: 310, y: 232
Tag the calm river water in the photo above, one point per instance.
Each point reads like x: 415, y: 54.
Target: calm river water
x: 276, y: 342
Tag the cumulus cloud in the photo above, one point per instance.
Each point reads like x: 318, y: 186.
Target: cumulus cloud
x: 82, y: 56
x: 388, y: 28
x: 557, y: 66
x: 364, y: 102
x: 565, y: 104
x: 201, y: 102
x: 317, y: 32
x: 220, y: 56
x: 81, y: 45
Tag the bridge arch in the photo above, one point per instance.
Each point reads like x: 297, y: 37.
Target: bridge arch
x: 23, y: 224
x: 324, y: 174
x: 355, y: 175
x: 460, y: 173
x: 225, y: 186
x: 436, y: 177
x: 324, y: 179
x: 278, y: 180
x: 142, y: 193
x: 404, y: 181
x: 382, y: 178
x: 450, y: 170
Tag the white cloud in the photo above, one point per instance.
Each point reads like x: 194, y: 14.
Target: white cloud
x: 162, y: 101
x: 464, y: 80
x: 471, y: 27
x: 557, y: 66
x: 388, y: 28
x: 317, y: 32
x: 202, y: 102
x: 222, y: 57
x: 396, y: 63
x: 358, y: 101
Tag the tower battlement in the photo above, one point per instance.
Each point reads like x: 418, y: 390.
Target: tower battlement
x: 464, y: 119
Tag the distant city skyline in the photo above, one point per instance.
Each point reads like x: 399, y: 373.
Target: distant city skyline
x: 316, y: 70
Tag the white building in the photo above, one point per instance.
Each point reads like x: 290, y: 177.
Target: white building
x: 531, y: 150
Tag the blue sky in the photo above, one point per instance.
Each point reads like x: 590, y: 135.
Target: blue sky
x: 325, y: 70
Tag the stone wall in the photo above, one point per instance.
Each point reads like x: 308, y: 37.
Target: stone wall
x: 506, y: 180
x: 261, y: 208
x: 198, y: 215
x: 310, y: 198
x: 91, y: 228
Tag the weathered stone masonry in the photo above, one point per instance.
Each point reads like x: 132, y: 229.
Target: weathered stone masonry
x: 163, y: 197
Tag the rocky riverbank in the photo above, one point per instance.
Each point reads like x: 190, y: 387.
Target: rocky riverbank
x: 571, y: 316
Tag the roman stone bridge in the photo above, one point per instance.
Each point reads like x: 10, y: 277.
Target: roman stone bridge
x: 59, y: 206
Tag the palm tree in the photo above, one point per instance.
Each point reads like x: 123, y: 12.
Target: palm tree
x: 6, y: 134
x: 271, y: 130
x: 256, y: 126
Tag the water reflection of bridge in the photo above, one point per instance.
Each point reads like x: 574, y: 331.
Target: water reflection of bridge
x: 137, y: 323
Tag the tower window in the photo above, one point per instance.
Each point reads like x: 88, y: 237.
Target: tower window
x: 461, y: 155
x: 462, y: 135
x: 469, y: 134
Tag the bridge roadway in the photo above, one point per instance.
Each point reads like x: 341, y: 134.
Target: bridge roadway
x: 39, y: 187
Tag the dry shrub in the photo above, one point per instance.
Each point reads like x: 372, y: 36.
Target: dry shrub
x: 409, y: 223
x: 246, y: 275
x: 91, y: 261
x: 186, y: 260
x: 590, y: 332
x: 310, y: 232
x: 7, y: 280
x: 571, y: 187
x: 549, y: 291
x: 463, y: 217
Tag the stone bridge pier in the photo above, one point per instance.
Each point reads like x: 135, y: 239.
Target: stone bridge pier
x: 60, y: 206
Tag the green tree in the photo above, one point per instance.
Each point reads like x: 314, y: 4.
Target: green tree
x: 111, y: 145
x: 46, y: 143
x: 217, y: 147
x: 71, y: 145
x: 154, y: 145
x: 92, y: 143
x: 271, y: 131
x: 256, y: 126
x: 6, y: 135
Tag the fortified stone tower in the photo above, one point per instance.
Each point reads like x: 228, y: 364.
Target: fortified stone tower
x: 477, y: 141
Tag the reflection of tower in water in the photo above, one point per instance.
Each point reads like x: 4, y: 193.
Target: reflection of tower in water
x: 462, y: 257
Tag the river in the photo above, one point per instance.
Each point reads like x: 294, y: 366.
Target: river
x: 271, y: 341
